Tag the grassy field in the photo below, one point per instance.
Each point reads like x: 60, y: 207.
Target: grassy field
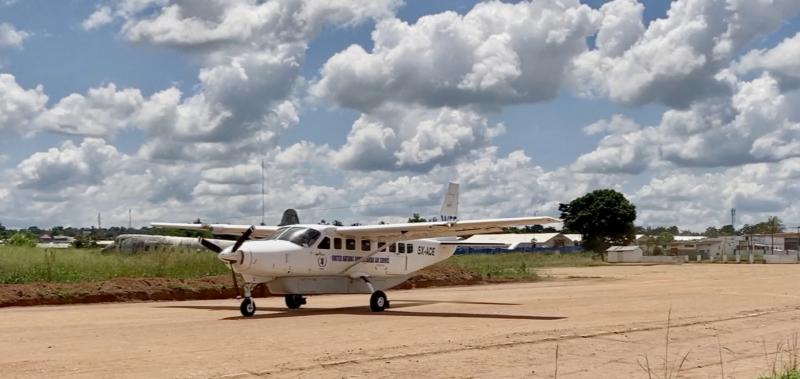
x: 26, y: 265
x: 518, y: 265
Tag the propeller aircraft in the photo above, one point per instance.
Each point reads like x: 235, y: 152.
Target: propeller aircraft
x: 306, y: 259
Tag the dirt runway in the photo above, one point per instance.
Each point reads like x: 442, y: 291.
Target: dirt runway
x: 605, y: 322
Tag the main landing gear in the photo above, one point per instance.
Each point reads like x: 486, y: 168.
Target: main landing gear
x: 378, y: 301
x: 294, y: 301
x: 248, y: 306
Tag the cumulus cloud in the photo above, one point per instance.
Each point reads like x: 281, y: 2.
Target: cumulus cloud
x: 67, y: 165
x: 676, y: 59
x: 18, y: 106
x: 781, y: 61
x: 697, y: 199
x: 757, y: 123
x: 394, y: 138
x: 496, y: 53
x: 102, y: 16
x: 10, y: 36
x: 210, y: 23
x: 101, y: 111
x: 492, y: 185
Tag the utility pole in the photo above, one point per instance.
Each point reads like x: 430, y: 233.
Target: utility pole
x: 263, y: 195
x: 99, y: 224
x: 130, y: 219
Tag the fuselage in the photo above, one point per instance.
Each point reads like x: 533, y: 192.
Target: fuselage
x: 316, y: 250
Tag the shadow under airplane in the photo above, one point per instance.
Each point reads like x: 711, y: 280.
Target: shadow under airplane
x: 279, y: 312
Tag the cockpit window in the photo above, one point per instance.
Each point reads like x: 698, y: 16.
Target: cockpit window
x: 297, y: 235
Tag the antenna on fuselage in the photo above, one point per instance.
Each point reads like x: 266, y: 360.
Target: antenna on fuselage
x: 263, y: 195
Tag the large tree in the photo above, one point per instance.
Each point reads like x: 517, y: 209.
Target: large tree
x: 604, y: 217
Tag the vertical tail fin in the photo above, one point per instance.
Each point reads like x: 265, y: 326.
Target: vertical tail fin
x: 450, y: 205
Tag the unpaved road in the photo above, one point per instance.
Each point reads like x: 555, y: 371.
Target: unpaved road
x: 603, y: 319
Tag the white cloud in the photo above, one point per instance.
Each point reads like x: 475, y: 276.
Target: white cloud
x: 209, y: 23
x: 618, y: 124
x: 68, y: 165
x: 676, y: 59
x: 396, y: 138
x: 758, y: 123
x: 497, y: 53
x: 101, y: 17
x: 101, y: 111
x: 19, y: 106
x: 781, y: 61
x: 10, y: 36
x: 696, y: 200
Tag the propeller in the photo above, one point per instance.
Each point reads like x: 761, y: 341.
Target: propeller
x: 239, y: 242
x: 210, y: 245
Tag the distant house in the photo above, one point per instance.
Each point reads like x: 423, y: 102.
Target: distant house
x: 525, y: 240
x: 624, y: 254
x: 55, y: 242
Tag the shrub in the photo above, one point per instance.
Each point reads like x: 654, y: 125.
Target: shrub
x: 22, y: 239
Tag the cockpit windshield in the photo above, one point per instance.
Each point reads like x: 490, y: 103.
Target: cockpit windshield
x: 297, y: 235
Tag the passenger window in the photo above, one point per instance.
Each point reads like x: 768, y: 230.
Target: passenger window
x: 409, y: 248
x: 401, y: 248
x: 337, y: 243
x: 350, y: 244
x: 392, y: 248
x: 381, y: 245
x: 365, y: 245
x: 324, y: 244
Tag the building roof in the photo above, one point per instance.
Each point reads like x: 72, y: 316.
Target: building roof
x: 576, y: 238
x: 512, y: 238
x: 675, y: 238
x: 623, y: 248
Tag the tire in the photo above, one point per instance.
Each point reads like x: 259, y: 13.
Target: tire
x: 294, y: 301
x: 378, y: 302
x: 248, y: 307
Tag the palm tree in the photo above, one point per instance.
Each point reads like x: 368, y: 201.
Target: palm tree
x: 774, y: 225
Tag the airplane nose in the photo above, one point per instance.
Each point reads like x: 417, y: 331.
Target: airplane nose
x: 230, y: 256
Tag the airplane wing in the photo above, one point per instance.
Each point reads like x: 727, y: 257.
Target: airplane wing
x: 261, y: 231
x: 419, y: 230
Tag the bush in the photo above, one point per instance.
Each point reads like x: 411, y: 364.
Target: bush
x: 22, y: 239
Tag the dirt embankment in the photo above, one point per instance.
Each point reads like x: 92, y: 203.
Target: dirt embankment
x: 212, y: 287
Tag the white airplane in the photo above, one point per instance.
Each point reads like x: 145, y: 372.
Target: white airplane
x: 299, y: 260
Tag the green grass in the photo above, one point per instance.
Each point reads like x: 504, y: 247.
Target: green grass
x: 27, y: 265
x: 518, y: 265
x: 787, y: 374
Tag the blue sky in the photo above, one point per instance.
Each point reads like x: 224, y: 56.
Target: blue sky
x: 510, y: 119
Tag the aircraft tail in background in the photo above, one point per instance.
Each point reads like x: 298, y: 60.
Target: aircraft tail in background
x: 449, y: 210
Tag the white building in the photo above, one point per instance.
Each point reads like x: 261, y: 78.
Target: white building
x: 624, y: 254
x: 524, y: 240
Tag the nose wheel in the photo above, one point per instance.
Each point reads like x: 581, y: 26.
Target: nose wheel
x: 248, y: 307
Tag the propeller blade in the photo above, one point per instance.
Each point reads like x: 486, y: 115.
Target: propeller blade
x: 244, y: 237
x: 235, y: 284
x: 210, y: 245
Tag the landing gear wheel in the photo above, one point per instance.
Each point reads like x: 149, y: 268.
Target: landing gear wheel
x: 378, y: 301
x: 294, y: 301
x: 248, y: 307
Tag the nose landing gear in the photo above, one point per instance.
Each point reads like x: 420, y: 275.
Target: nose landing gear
x: 248, y: 306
